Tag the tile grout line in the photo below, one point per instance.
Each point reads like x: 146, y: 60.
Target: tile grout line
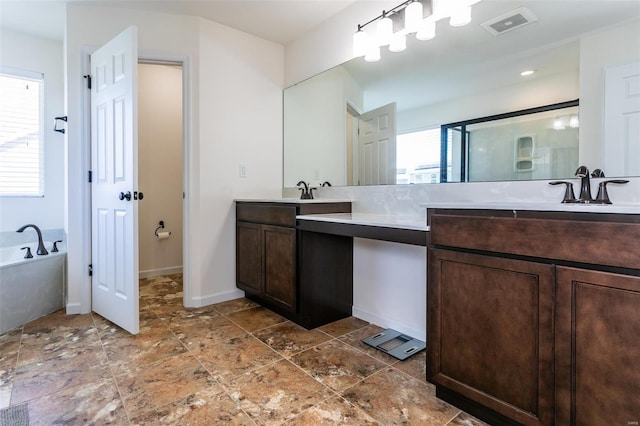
x: 15, y: 367
x: 113, y: 376
x: 283, y: 358
x: 216, y: 380
x: 335, y: 393
x: 453, y: 418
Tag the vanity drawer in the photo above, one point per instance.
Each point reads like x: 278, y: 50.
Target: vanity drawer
x: 269, y: 214
x: 592, y: 242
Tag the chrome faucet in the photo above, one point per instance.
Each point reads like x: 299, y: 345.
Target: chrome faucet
x: 585, y: 185
x: 41, y: 249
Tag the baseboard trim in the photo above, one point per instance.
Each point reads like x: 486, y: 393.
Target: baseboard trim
x: 210, y: 299
x: 385, y: 322
x: 73, y: 308
x: 160, y: 271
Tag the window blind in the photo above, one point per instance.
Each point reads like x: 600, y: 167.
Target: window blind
x: 21, y: 133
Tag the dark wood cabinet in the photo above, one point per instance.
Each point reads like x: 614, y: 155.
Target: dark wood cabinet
x: 271, y: 270
x: 266, y: 262
x: 534, y: 317
x: 249, y: 257
x: 280, y: 266
x: 492, y: 322
x: 597, y: 348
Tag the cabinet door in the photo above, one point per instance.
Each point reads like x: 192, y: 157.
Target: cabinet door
x: 280, y: 266
x: 249, y: 257
x: 490, y: 332
x: 597, y: 348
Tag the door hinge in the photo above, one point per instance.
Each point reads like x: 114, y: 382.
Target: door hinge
x: 90, y: 270
x: 90, y: 176
x: 88, y: 77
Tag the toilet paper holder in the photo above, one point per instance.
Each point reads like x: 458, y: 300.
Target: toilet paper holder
x: 160, y: 226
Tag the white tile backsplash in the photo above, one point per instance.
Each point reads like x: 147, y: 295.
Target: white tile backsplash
x: 406, y: 199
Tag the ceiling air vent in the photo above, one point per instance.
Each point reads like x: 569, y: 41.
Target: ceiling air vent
x: 509, y: 21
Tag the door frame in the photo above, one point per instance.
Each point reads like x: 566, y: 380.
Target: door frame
x: 188, y: 165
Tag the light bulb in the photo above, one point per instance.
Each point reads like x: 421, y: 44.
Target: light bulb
x: 460, y: 16
x: 440, y: 9
x: 427, y: 30
x: 574, y: 121
x: 398, y: 42
x: 412, y: 17
x: 385, y: 30
x: 360, y: 43
x: 558, y: 124
x: 373, y: 53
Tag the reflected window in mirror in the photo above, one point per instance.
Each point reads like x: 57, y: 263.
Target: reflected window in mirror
x: 418, y: 157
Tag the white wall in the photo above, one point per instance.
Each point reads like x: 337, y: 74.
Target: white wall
x: 329, y: 44
x: 308, y: 108
x: 26, y: 52
x: 233, y: 114
x: 615, y: 46
x: 240, y: 102
x: 160, y: 167
x: 534, y: 93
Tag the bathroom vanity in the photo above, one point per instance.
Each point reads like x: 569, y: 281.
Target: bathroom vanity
x: 533, y: 316
x: 306, y: 277
x: 296, y: 256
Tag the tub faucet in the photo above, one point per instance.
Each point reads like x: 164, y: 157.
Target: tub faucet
x: 41, y: 249
x: 585, y: 185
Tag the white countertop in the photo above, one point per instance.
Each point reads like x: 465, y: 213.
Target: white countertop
x: 559, y: 207
x: 368, y: 219
x: 292, y: 200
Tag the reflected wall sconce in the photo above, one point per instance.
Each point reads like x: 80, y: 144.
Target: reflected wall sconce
x: 417, y: 17
x: 560, y: 123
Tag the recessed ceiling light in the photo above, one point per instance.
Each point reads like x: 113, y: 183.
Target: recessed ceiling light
x: 527, y: 72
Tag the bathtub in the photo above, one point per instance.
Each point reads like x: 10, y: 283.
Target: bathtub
x: 30, y: 288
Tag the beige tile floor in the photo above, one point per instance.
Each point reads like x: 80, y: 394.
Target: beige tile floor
x: 230, y: 363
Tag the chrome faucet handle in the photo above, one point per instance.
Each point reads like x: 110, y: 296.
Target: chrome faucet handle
x: 603, y: 195
x: 569, y: 196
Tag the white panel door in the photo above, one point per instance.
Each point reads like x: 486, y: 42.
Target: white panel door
x: 621, y: 149
x: 377, y: 146
x: 114, y: 210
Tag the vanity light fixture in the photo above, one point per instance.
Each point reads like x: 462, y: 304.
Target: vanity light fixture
x: 368, y: 44
x: 527, y: 73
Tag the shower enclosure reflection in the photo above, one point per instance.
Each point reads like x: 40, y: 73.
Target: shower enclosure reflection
x: 537, y: 143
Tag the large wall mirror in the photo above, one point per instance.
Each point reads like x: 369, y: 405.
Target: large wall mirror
x: 586, y: 50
